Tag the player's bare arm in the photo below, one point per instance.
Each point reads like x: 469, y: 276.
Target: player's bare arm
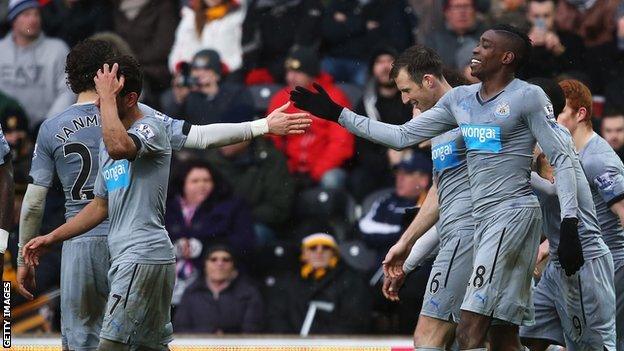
x: 425, y: 219
x: 118, y: 143
x: 90, y: 216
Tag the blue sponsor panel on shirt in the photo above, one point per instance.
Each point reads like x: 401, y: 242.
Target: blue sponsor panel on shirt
x: 482, y: 137
x: 444, y: 156
x: 117, y: 175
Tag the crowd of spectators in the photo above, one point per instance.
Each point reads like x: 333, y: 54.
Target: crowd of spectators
x: 268, y: 230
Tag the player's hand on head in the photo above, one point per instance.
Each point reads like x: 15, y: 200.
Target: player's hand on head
x: 570, y: 250
x: 26, y: 281
x: 317, y: 103
x: 106, y: 82
x: 282, y: 123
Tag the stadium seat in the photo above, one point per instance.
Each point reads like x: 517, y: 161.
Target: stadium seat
x: 262, y: 95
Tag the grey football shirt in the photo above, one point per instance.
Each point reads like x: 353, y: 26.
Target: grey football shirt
x: 136, y: 191
x: 499, y: 134
x: 605, y: 174
x: 589, y: 228
x: 68, y: 145
x: 450, y: 171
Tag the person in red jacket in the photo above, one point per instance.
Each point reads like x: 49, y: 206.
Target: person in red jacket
x: 316, y: 156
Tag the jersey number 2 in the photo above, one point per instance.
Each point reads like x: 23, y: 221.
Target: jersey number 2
x: 77, y: 191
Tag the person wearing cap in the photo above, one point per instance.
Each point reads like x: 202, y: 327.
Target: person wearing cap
x: 33, y: 65
x: 225, y: 301
x: 201, y: 95
x: 382, y: 225
x: 381, y: 101
x: 317, y: 156
x: 321, y: 277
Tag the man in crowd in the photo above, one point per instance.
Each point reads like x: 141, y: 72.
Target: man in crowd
x: 32, y: 65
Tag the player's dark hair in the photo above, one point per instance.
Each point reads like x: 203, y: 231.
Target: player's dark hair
x: 518, y: 42
x: 83, y: 62
x: 131, y: 70
x: 418, y: 60
x: 454, y: 77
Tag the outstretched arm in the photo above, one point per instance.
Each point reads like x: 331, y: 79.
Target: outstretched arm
x: 427, y: 125
x: 220, y: 134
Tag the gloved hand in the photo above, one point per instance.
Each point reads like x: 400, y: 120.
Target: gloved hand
x: 570, y: 250
x: 318, y: 104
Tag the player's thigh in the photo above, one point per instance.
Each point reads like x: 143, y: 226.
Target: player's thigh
x: 139, y: 305
x: 586, y: 305
x: 547, y: 327
x: 447, y: 281
x: 84, y: 290
x: 504, y: 256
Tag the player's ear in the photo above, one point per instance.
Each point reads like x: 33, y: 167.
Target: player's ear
x: 131, y: 99
x: 508, y: 57
x: 427, y: 81
x: 581, y: 114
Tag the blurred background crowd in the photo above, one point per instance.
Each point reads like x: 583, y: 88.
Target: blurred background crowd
x: 265, y: 229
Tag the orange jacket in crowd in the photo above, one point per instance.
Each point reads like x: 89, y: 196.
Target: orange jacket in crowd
x: 324, y: 146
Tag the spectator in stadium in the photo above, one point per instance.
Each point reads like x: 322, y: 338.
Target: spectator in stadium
x: 381, y: 101
x: 204, y: 209
x: 612, y: 129
x: 266, y: 46
x: 16, y: 132
x: 149, y: 28
x: 462, y: 30
x: 317, y: 155
x: 224, y: 302
x: 595, y: 22
x: 382, y: 226
x: 258, y: 173
x: 201, y: 96
x: 509, y: 11
x: 32, y: 65
x: 345, y: 40
x: 73, y: 21
x: 392, y: 22
x: 554, y: 51
x: 322, y: 277
x: 210, y: 24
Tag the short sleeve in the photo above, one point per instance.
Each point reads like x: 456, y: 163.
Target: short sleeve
x: 100, y: 189
x: 42, y: 168
x: 607, y: 177
x: 150, y: 137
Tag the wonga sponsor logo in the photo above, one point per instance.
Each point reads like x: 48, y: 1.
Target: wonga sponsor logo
x: 443, y: 156
x: 483, y: 138
x: 116, y: 175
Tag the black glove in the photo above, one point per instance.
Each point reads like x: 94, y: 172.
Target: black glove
x: 570, y: 250
x: 319, y: 104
